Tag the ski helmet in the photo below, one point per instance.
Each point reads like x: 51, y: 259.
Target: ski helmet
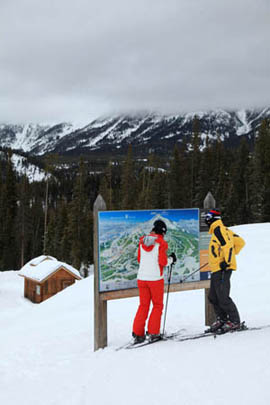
x: 212, y: 216
x: 159, y: 227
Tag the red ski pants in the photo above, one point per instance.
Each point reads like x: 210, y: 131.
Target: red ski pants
x: 150, y: 291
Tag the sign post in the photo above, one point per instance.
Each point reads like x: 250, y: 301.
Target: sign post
x: 209, y: 203
x: 100, y: 306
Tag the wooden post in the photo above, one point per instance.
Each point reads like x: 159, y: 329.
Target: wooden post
x: 210, y: 316
x: 209, y: 202
x: 100, y: 306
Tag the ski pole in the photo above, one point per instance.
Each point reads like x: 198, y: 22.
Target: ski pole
x: 181, y: 281
x: 168, y: 289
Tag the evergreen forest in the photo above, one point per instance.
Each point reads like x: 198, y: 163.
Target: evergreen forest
x: 55, y: 216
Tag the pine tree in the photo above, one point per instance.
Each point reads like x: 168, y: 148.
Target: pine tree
x: 79, y: 230
x: 23, y: 225
x: 1, y: 216
x: 159, y: 191
x: 242, y: 183
x: 195, y: 163
x: 238, y: 199
x: 52, y: 247
x: 178, y: 193
x: 260, y: 176
x: 221, y: 163
x: 206, y: 176
x: 265, y: 167
x: 143, y: 189
x: 106, y: 187
x: 128, y: 183
x: 37, y: 224
x: 9, y: 260
x: 50, y: 162
x: 152, y: 185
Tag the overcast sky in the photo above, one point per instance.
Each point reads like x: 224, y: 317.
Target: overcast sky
x: 76, y: 60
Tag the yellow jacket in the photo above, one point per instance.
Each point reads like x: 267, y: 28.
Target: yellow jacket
x: 224, y: 246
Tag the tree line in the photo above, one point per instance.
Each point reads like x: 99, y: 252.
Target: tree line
x: 54, y: 216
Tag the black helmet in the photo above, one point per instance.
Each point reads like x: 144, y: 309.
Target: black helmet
x: 159, y: 227
x: 212, y: 216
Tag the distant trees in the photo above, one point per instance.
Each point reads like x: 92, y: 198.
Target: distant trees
x: 261, y: 177
x: 79, y: 221
x: 238, y: 178
x: 23, y: 224
x: 8, y: 216
x: 128, y: 183
x: 179, y: 190
x: 194, y: 163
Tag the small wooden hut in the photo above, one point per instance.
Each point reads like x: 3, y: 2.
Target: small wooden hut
x: 45, y: 276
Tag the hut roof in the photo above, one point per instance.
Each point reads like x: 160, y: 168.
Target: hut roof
x: 40, y: 268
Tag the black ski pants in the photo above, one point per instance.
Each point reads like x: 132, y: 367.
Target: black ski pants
x: 219, y: 296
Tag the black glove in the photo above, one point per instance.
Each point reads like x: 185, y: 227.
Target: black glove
x: 172, y: 255
x: 223, y: 265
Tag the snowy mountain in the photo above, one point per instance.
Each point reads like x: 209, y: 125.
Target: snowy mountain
x: 34, y: 138
x: 23, y: 167
x: 146, y: 132
x: 47, y: 355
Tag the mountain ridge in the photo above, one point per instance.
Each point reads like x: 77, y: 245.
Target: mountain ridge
x: 149, y: 132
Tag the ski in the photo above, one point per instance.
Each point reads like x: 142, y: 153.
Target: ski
x: 172, y: 335
x: 145, y: 343
x: 178, y: 337
x: 207, y: 333
x: 195, y: 336
x: 168, y: 336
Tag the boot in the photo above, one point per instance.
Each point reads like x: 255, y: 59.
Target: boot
x: 217, y: 325
x: 229, y: 326
x: 137, y: 339
x: 153, y: 337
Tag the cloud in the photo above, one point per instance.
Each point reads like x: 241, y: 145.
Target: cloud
x: 66, y: 60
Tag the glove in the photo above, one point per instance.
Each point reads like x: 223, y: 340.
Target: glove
x: 223, y: 265
x: 172, y: 255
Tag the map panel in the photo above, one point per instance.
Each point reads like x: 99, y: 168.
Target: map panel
x: 119, y: 233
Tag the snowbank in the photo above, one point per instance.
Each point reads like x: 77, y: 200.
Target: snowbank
x: 47, y: 355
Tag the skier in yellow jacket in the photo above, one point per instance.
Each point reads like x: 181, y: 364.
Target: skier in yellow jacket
x: 223, y: 248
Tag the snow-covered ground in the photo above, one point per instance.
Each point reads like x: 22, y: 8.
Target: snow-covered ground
x: 47, y: 357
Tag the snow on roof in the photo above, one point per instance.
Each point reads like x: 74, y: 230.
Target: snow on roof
x: 39, y: 259
x: 41, y: 267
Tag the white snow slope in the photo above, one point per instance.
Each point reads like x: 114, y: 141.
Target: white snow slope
x: 47, y: 357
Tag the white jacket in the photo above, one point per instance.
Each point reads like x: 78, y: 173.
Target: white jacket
x: 152, y: 256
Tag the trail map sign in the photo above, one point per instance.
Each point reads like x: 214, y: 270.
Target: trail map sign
x: 118, y: 238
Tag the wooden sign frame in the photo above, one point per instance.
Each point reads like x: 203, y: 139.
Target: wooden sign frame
x: 101, y: 298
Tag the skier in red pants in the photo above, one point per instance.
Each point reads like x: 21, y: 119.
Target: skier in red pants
x: 152, y: 256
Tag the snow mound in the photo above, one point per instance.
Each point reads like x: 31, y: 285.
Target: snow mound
x: 47, y: 355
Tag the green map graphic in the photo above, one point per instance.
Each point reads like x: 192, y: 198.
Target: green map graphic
x: 119, y: 238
